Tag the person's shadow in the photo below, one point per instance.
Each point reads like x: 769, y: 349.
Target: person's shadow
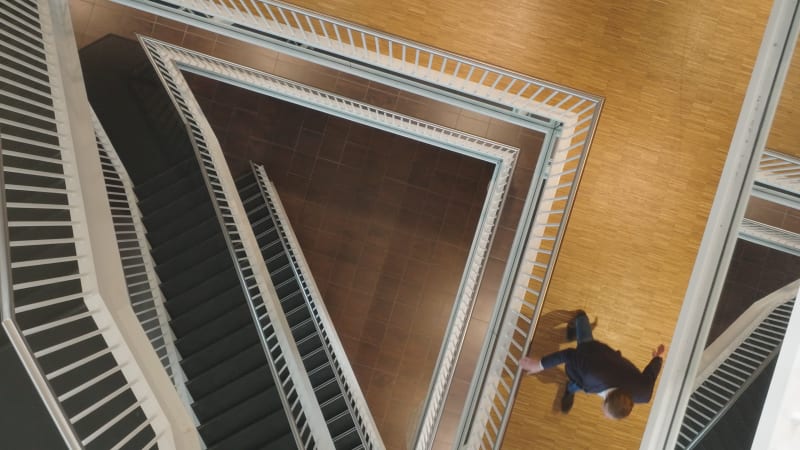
x: 551, y: 332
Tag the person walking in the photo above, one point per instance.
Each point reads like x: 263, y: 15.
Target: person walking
x: 596, y: 368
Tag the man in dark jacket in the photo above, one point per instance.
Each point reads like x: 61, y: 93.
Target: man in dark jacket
x: 596, y: 368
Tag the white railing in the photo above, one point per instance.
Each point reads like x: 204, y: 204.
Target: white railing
x: 374, y: 55
x: 501, y: 155
x: 496, y: 387
x: 283, y: 357
x: 722, y: 230
x: 769, y: 236
x: 779, y: 170
x: 734, y: 360
x: 138, y: 266
x: 356, y: 403
x: 57, y: 321
x: 736, y: 333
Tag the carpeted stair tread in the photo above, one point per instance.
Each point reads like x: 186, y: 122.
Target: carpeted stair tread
x: 220, y: 327
x: 244, y: 180
x: 350, y: 439
x: 190, y: 256
x: 207, y: 311
x: 233, y: 393
x: 177, y: 207
x: 257, y: 434
x: 246, y: 412
x: 340, y: 426
x: 219, y: 351
x: 227, y: 371
x: 184, y: 168
x: 203, y: 291
x: 204, y: 269
x: 168, y: 194
x: 200, y: 232
x: 285, y: 442
x: 163, y: 232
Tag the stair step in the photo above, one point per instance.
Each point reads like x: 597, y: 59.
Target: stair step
x: 349, y: 440
x: 176, y: 208
x: 236, y: 392
x: 250, y: 192
x: 309, y: 344
x: 200, y: 232
x: 258, y: 434
x: 285, y: 442
x: 245, y: 180
x: 184, y: 168
x: 190, y: 256
x: 166, y: 231
x: 240, y: 416
x: 340, y: 427
x: 322, y: 372
x: 227, y: 371
x: 221, y: 350
x: 224, y: 325
x: 292, y: 301
x: 327, y: 391
x: 202, y: 292
x: 208, y: 311
x: 168, y: 193
x: 203, y: 269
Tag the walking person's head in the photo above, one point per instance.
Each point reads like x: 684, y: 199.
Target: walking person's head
x: 618, y: 404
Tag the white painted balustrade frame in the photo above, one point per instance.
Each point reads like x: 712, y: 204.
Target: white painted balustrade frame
x: 156, y: 298
x: 239, y: 231
x: 100, y: 273
x: 392, y: 60
x: 343, y: 370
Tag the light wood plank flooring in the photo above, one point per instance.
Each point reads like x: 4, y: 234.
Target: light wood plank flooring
x: 673, y: 75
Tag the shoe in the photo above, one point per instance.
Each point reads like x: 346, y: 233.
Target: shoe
x: 572, y: 332
x: 567, y: 400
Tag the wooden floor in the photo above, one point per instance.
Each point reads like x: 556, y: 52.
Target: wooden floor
x: 673, y: 75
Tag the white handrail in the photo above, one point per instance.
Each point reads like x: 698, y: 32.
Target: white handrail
x: 779, y: 170
x: 283, y: 357
x: 342, y: 369
x: 127, y: 214
x: 769, y: 236
x: 723, y: 345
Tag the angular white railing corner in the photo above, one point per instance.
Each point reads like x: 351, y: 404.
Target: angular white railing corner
x: 356, y: 403
x: 502, y: 156
x: 44, y: 215
x: 734, y: 360
x: 779, y: 170
x: 305, y: 416
x: 379, y: 56
x: 496, y: 388
x: 142, y: 281
x: 769, y: 236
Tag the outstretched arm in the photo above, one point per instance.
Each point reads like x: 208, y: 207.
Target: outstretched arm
x: 651, y: 371
x: 536, y: 365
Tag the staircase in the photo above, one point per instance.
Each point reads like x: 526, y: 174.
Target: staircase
x: 234, y: 395
x: 719, y: 394
x: 292, y: 293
